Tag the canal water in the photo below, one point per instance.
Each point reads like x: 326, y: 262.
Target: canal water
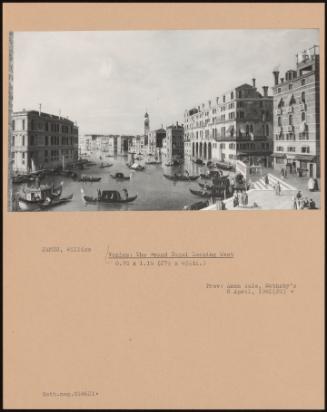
x: 154, y: 191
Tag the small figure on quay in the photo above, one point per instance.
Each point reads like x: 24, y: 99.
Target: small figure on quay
x: 235, y: 200
x: 99, y: 193
x: 267, y: 180
x: 294, y: 202
x: 311, y: 184
x: 246, y: 199
x: 312, y: 204
x: 277, y: 189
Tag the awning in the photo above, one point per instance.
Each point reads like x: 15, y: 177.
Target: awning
x: 303, y: 127
x: 304, y: 157
x: 242, y: 129
x: 291, y: 157
x: 279, y: 155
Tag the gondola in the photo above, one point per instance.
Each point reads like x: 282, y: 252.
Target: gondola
x: 135, y: 166
x: 103, y: 165
x: 224, y: 166
x: 205, y: 176
x: 31, y: 198
x: 174, y: 163
x: 120, y: 176
x: 89, y: 179
x: 201, y: 193
x: 55, y: 202
x: 205, y: 186
x: 182, y: 178
x: 197, y: 205
x: 199, y: 162
x: 107, y: 196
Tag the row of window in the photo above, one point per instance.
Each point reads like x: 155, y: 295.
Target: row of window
x: 292, y: 136
x: 290, y: 86
x: 304, y: 149
x: 290, y: 119
x: 248, y: 130
x: 53, y: 127
x: 52, y: 140
x: 292, y: 100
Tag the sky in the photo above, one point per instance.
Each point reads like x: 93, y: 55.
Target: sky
x: 106, y: 80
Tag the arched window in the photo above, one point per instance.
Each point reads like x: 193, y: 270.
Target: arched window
x: 303, y: 97
x: 279, y: 121
x: 303, y: 116
x: 290, y: 120
x: 267, y: 129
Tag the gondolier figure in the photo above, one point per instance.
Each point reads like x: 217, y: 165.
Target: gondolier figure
x: 125, y: 193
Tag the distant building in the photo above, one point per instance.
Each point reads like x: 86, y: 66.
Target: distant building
x: 173, y: 143
x: 42, y: 141
x: 236, y: 126
x: 137, y: 145
x: 297, y: 116
x: 155, y: 141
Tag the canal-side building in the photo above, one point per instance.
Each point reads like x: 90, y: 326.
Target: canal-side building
x: 235, y: 126
x: 123, y: 143
x: 155, y: 141
x: 297, y: 116
x: 173, y: 143
x: 42, y: 141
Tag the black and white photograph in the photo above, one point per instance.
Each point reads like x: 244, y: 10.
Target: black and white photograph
x: 161, y: 120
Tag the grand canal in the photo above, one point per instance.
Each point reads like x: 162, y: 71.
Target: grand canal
x: 154, y: 191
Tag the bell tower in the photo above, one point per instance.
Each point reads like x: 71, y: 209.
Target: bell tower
x: 146, y: 124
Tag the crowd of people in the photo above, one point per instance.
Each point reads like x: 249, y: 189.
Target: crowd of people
x: 241, y: 199
x: 301, y: 202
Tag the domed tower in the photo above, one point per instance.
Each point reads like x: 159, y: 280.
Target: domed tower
x: 146, y: 124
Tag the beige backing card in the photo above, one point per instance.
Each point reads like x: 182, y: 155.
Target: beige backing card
x: 157, y: 336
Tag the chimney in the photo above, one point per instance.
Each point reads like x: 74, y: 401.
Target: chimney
x: 253, y: 82
x: 40, y: 107
x: 265, y: 91
x: 176, y: 123
x: 276, y: 75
